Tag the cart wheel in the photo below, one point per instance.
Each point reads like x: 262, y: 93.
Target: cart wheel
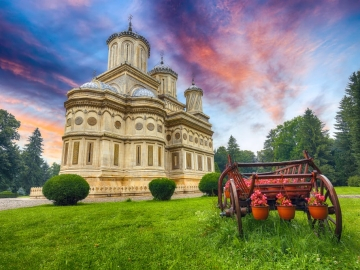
x: 224, y: 202
x: 234, y: 201
x: 333, y: 222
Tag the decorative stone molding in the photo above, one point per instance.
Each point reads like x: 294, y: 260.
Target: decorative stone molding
x: 139, y: 126
x: 78, y: 120
x: 159, y: 128
x: 117, y: 124
x: 68, y: 122
x: 92, y: 121
x: 150, y: 126
x: 177, y: 136
x: 184, y: 136
x: 168, y: 137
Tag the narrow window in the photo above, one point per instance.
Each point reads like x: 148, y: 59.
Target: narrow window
x: 76, y: 153
x: 188, y: 161
x: 89, y: 153
x: 141, y: 59
x: 175, y: 161
x: 163, y: 85
x: 66, y: 153
x: 209, y: 164
x: 116, y: 155
x: 138, y: 155
x: 150, y: 155
x: 200, y: 163
x: 159, y: 156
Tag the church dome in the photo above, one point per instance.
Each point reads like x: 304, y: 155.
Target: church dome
x: 162, y: 68
x: 143, y: 92
x: 129, y: 33
x: 95, y: 84
x: 193, y: 87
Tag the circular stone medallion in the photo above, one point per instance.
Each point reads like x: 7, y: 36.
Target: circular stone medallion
x: 68, y: 122
x: 184, y: 136
x: 138, y: 126
x: 150, y: 126
x: 117, y: 124
x: 92, y: 121
x: 196, y: 140
x: 168, y: 137
x: 210, y: 144
x: 78, y: 120
x: 177, y: 136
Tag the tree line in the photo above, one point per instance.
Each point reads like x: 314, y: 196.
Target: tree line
x: 338, y: 158
x: 21, y: 169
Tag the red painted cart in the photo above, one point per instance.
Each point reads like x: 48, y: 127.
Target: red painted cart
x: 296, y: 179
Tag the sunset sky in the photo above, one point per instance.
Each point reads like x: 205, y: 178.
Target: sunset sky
x: 259, y: 63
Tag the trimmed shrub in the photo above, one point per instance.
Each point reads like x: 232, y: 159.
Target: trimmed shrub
x: 209, y: 183
x: 354, y: 181
x: 66, y: 189
x: 7, y: 194
x: 162, y: 188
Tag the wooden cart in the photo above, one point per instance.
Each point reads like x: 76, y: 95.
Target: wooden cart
x: 296, y: 179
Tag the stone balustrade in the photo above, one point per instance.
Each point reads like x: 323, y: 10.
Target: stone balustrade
x: 103, y: 191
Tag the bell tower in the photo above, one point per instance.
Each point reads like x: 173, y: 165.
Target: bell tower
x: 128, y: 47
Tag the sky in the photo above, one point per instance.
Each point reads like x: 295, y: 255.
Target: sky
x: 259, y: 62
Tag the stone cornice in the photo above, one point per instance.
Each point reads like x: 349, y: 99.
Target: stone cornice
x: 189, y: 148
x: 114, y: 73
x: 171, y: 99
x: 186, y: 119
x: 109, y: 135
x: 108, y: 99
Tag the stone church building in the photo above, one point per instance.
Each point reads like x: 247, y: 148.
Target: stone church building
x: 127, y: 127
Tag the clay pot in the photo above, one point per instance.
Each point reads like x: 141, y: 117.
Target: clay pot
x: 260, y: 212
x: 286, y: 212
x: 318, y: 211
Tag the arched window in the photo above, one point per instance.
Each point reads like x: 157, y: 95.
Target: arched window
x: 113, y: 61
x: 142, y: 59
x: 127, y: 52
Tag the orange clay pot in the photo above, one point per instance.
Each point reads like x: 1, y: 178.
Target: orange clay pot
x: 318, y: 211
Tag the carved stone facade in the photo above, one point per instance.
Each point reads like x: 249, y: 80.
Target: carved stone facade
x: 126, y: 127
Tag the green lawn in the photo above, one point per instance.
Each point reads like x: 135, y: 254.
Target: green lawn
x: 177, y: 234
x: 347, y: 190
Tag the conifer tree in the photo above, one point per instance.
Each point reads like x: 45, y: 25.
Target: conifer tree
x: 10, y: 160
x: 33, y: 173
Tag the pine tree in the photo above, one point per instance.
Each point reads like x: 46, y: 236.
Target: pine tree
x: 233, y: 149
x: 353, y: 92
x: 10, y: 161
x: 220, y: 157
x: 33, y: 174
x: 345, y: 162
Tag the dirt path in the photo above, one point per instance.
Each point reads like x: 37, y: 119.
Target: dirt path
x: 13, y: 203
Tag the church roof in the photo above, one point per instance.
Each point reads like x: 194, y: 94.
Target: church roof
x: 95, y: 84
x: 143, y: 92
x: 162, y: 68
x: 193, y: 87
x: 132, y: 34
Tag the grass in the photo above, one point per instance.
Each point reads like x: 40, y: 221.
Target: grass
x: 347, y: 190
x: 177, y: 234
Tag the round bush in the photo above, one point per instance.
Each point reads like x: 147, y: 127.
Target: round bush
x: 162, y: 188
x: 354, y: 181
x: 66, y: 189
x: 209, y: 184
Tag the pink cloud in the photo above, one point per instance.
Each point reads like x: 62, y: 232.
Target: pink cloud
x: 45, y: 4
